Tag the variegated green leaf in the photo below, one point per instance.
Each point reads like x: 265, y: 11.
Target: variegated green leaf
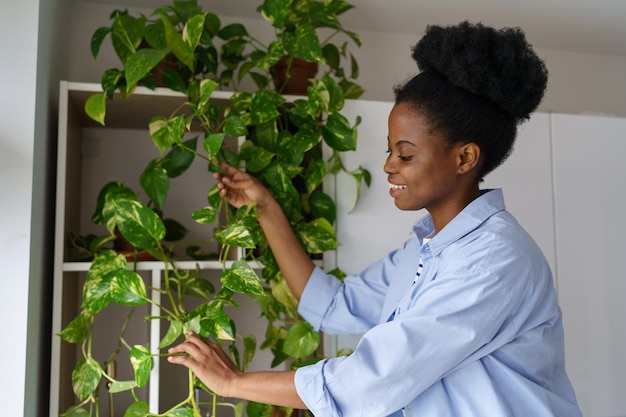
x: 242, y: 278
x: 205, y: 215
x: 218, y: 325
x: 167, y: 132
x: 128, y: 288
x: 139, y: 224
x: 97, y: 288
x: 282, y: 292
x: 193, y: 30
x: 315, y: 174
x: 213, y: 144
x: 77, y: 329
x: 316, y: 238
x: 236, y: 235
x: 120, y: 386
x: 86, y: 378
x: 142, y: 362
x: 179, y: 47
x: 137, y: 409
x: 304, y: 44
x: 139, y: 64
x: 175, y: 330
x: 180, y: 412
x: 338, y: 133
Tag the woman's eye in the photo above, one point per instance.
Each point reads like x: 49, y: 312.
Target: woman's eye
x: 404, y: 157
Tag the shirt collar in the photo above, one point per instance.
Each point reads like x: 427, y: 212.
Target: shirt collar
x: 486, y: 205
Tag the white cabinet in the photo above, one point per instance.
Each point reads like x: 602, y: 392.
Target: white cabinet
x: 590, y: 202
x: 564, y: 182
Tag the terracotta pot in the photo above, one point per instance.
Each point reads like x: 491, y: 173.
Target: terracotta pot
x: 301, y: 73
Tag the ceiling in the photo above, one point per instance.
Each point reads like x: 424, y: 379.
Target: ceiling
x: 589, y: 26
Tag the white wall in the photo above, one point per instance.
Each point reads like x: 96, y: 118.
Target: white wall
x: 17, y: 115
x: 32, y: 33
x: 579, y: 83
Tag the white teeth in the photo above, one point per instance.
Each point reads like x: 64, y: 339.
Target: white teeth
x: 396, y: 187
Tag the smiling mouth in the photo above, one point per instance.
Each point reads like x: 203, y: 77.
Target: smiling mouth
x: 396, y: 187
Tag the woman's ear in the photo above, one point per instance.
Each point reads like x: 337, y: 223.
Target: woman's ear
x: 469, y: 157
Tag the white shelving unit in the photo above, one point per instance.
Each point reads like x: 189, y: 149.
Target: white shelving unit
x: 89, y: 156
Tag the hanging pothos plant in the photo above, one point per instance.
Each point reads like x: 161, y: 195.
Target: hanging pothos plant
x: 282, y: 147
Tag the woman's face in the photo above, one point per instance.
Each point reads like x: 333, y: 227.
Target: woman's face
x: 423, y: 172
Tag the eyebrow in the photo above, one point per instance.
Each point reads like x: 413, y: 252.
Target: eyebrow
x: 401, y: 142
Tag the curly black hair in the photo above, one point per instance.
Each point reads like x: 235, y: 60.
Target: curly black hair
x: 476, y: 84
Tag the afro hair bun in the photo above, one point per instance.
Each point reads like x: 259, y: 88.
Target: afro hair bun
x: 497, y: 64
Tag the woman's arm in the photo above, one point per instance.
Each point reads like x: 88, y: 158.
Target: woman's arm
x: 209, y: 363
x: 239, y: 189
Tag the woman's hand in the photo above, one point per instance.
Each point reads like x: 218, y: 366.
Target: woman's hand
x: 208, y: 362
x: 241, y: 189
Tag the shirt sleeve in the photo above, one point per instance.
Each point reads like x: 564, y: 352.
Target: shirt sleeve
x: 356, y: 304
x: 450, y: 322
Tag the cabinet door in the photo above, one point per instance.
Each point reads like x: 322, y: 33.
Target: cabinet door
x: 591, y: 239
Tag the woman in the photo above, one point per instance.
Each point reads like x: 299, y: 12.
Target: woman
x: 462, y: 320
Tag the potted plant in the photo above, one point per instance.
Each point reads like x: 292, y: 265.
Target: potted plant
x: 281, y: 147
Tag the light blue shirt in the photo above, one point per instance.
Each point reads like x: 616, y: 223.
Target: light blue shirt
x: 478, y: 334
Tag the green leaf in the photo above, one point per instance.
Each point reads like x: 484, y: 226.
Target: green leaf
x: 315, y: 174
x: 254, y: 409
x: 166, y: 133
x: 338, y: 133
x: 142, y: 362
x: 304, y: 44
x: 262, y: 108
x: 249, y: 349
x: 113, y: 189
x: 256, y: 158
x: 233, y: 30
x: 97, y: 288
x: 282, y: 293
x: 95, y: 107
x: 175, y: 330
x: 174, y: 230
x: 322, y: 205
x: 179, y: 47
x: 127, y: 32
x: 275, y: 11
x: 213, y: 144
x: 86, y: 377
x: 180, y: 412
x: 217, y: 324
x: 235, y: 127
x: 76, y: 331
x: 179, y: 158
x: 301, y: 340
x: 193, y: 30
x: 77, y: 412
x: 241, y: 278
x: 139, y: 224
x: 128, y: 288
x: 236, y: 234
x: 139, y: 64
x: 137, y: 409
x: 97, y: 38
x: 155, y: 182
x: 121, y: 386
x: 205, y: 215
x: 316, y: 237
